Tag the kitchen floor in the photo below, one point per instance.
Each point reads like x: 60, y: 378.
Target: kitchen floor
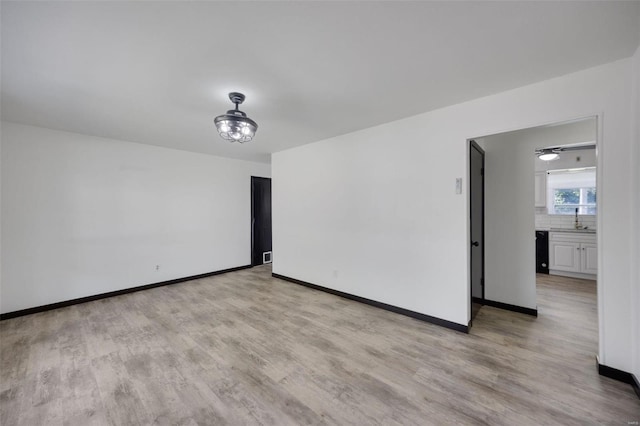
x: 568, y: 301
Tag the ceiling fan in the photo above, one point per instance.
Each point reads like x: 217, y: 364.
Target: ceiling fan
x: 548, y: 154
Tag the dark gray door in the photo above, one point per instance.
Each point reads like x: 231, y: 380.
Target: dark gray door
x: 476, y: 195
x: 260, y: 220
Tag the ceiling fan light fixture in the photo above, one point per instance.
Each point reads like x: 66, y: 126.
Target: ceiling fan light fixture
x: 548, y: 156
x: 235, y: 126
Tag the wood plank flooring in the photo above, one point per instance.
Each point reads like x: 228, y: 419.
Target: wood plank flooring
x: 245, y: 348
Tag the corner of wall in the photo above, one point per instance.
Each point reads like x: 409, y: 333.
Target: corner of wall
x: 126, y: 215
x: 0, y: 212
x: 635, y: 188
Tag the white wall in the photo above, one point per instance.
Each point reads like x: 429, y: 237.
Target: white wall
x: 84, y: 215
x: 0, y: 214
x: 510, y: 165
x: 509, y: 220
x: 635, y: 246
x: 375, y: 213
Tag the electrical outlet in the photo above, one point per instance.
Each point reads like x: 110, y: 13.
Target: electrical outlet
x: 157, y: 267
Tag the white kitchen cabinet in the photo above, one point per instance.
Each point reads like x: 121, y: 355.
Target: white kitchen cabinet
x: 589, y: 258
x: 541, y: 189
x: 540, y: 196
x: 564, y: 256
x: 573, y: 254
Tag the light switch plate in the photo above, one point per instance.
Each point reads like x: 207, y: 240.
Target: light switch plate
x: 458, y: 185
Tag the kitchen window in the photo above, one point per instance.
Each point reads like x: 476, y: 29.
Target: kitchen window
x: 568, y: 190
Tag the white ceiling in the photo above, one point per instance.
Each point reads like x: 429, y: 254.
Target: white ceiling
x: 159, y: 72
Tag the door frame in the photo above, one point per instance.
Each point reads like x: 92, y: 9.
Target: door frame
x: 601, y: 147
x: 474, y: 145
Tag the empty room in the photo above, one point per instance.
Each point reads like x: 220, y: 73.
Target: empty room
x: 319, y: 212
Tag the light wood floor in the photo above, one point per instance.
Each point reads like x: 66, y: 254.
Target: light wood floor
x: 245, y: 348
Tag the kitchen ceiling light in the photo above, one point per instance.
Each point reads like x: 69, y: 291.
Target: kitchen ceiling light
x: 547, y: 154
x: 235, y: 126
x: 548, y: 157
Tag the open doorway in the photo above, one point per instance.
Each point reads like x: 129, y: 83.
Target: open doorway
x: 519, y: 203
x: 476, y: 201
x: 261, y: 251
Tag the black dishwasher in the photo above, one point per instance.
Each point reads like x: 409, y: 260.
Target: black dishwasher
x: 542, y: 252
